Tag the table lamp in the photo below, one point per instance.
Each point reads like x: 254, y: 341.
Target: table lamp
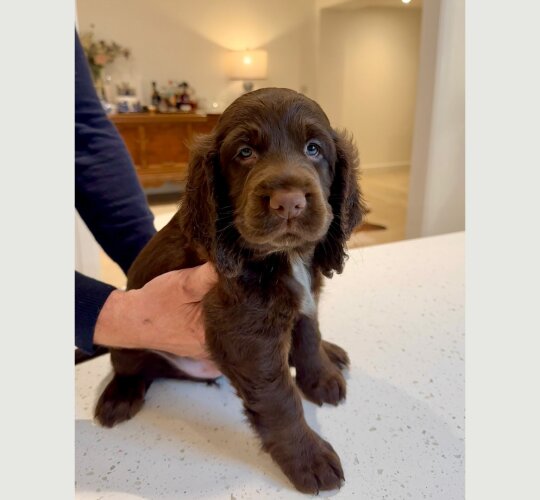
x: 247, y: 65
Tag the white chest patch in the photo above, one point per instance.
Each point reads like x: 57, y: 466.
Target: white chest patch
x: 301, y: 275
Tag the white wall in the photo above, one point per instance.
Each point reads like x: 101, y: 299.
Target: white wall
x: 187, y: 40
x: 368, y: 70
x: 437, y: 184
x: 86, y: 250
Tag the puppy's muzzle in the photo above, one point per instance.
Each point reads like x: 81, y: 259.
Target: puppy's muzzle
x: 288, y: 203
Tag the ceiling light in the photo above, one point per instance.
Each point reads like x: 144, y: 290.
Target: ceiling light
x: 406, y: 1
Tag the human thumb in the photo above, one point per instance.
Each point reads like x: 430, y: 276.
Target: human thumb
x: 197, y: 281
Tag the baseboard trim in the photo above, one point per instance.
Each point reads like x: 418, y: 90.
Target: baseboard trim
x: 390, y: 164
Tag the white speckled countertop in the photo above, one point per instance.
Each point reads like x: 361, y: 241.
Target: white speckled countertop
x: 398, y: 311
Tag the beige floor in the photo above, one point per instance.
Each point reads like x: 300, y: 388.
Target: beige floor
x: 385, y: 191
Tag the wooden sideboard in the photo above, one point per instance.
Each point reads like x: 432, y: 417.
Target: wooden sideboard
x: 159, y: 143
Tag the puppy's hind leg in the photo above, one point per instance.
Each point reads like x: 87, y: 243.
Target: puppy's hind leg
x: 121, y: 399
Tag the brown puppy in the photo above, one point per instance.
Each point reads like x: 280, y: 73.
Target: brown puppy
x: 271, y: 198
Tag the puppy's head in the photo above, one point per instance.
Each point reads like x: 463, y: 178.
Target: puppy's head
x: 273, y: 177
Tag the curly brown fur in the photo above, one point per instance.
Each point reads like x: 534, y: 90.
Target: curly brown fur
x: 273, y: 218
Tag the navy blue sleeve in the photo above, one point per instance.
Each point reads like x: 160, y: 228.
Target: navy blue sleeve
x: 108, y: 197
x: 90, y: 295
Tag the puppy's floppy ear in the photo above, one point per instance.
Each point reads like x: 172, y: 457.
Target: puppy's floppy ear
x: 347, y: 207
x: 206, y: 212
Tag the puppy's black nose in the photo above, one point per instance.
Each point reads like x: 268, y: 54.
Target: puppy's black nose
x: 288, y: 204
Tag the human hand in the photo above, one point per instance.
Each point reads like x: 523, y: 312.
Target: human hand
x: 165, y: 315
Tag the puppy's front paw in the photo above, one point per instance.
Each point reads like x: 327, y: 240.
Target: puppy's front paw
x: 336, y: 354
x: 323, y: 385
x: 310, y: 463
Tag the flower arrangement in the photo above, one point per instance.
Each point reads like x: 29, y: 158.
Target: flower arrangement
x: 99, y: 54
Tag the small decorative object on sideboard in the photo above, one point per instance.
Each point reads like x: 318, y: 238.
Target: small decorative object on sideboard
x: 175, y: 97
x: 184, y: 99
x: 126, y: 99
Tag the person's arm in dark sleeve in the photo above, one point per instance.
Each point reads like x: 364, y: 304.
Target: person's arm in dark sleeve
x: 90, y: 296
x: 108, y: 195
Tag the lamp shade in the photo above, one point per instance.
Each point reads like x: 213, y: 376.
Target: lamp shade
x: 247, y: 65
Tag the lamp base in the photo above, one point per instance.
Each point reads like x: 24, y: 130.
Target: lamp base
x: 248, y: 86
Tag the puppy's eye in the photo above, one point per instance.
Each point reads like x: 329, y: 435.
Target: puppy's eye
x: 245, y: 153
x: 312, y: 149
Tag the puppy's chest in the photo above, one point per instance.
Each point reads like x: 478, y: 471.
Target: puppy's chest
x: 302, y: 276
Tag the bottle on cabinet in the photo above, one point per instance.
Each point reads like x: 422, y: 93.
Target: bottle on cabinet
x: 156, y: 97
